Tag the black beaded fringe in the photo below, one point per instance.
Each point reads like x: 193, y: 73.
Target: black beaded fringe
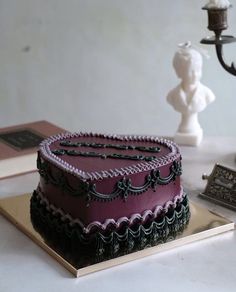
x: 111, y: 243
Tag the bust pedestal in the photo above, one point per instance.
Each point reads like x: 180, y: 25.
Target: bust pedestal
x: 189, y: 132
x: 193, y: 139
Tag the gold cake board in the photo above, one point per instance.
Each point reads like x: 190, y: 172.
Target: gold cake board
x: 203, y: 223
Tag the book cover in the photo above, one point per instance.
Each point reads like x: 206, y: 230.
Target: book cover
x: 19, y: 144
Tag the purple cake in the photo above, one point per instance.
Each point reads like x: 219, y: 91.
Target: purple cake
x: 104, y: 191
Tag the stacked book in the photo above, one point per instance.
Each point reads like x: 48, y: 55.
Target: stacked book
x: 19, y: 144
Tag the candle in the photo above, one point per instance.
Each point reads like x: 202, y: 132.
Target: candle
x: 218, y: 4
x: 217, y: 15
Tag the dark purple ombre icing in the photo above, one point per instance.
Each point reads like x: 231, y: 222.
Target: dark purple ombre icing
x: 95, y: 190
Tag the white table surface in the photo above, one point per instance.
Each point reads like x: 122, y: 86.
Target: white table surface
x: 206, y: 265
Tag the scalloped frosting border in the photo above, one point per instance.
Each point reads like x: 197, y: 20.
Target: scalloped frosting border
x: 47, y: 154
x: 103, y: 226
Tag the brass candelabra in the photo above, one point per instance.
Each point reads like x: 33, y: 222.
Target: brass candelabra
x: 217, y: 22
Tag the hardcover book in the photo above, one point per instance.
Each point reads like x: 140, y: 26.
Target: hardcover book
x: 19, y: 144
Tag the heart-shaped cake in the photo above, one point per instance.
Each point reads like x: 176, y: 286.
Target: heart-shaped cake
x: 109, y: 186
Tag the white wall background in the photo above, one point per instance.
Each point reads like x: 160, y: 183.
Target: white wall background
x: 106, y: 65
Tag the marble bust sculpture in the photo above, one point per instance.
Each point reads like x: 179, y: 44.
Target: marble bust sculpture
x: 189, y: 97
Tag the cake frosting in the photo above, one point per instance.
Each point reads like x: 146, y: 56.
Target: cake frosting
x: 108, y: 187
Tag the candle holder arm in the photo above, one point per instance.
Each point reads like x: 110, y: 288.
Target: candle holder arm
x: 220, y: 55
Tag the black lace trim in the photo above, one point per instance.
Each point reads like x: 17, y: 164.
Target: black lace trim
x: 73, y: 152
x: 60, y: 152
x: 103, y: 244
x: 122, y: 189
x: 152, y: 149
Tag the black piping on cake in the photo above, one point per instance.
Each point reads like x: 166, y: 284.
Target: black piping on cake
x: 123, y: 188
x: 109, y: 243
